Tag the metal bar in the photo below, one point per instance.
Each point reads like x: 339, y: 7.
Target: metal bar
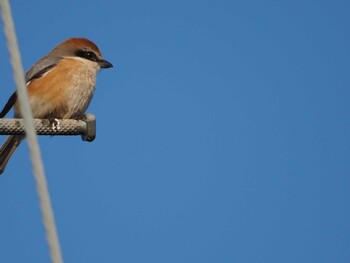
x: 66, y: 127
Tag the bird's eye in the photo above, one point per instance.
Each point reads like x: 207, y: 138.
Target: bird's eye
x: 87, y: 54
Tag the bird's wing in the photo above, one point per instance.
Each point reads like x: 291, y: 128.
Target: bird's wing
x: 8, y: 105
x: 36, y: 71
x: 41, y: 67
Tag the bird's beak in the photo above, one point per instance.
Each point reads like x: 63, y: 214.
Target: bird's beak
x: 105, y: 64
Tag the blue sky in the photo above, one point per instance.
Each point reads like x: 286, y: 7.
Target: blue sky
x: 222, y: 134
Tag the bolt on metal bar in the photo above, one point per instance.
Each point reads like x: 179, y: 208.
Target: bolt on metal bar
x: 67, y: 127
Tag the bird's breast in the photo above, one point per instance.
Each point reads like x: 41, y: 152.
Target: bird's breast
x: 64, y: 92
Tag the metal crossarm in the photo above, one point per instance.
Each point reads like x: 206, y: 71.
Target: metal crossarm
x: 86, y: 127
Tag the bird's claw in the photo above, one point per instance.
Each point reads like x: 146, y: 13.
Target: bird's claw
x: 55, y: 125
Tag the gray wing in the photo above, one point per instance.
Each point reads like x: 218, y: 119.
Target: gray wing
x: 36, y: 71
x: 41, y: 67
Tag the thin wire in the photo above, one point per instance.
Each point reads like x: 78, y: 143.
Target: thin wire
x: 38, y: 168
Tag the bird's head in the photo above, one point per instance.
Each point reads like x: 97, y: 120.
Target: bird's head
x: 81, y: 48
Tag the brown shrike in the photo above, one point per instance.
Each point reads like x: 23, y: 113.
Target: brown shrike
x: 60, y: 85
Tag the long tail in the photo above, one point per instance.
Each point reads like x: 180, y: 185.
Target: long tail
x: 7, y: 149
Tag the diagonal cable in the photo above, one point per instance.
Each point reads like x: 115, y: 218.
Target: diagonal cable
x: 38, y: 168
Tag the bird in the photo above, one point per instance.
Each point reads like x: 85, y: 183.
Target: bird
x: 60, y: 85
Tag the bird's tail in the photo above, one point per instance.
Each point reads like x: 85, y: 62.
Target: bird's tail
x: 7, y: 149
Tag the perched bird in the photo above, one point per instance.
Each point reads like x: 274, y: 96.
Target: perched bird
x: 60, y: 85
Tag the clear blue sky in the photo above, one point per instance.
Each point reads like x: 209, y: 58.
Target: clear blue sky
x: 222, y: 134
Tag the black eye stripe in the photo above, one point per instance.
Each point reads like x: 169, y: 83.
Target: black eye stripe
x: 86, y: 54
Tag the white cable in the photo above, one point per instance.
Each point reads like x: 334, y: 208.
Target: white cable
x: 38, y: 168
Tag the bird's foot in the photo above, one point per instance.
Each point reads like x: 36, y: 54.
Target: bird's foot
x: 55, y: 124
